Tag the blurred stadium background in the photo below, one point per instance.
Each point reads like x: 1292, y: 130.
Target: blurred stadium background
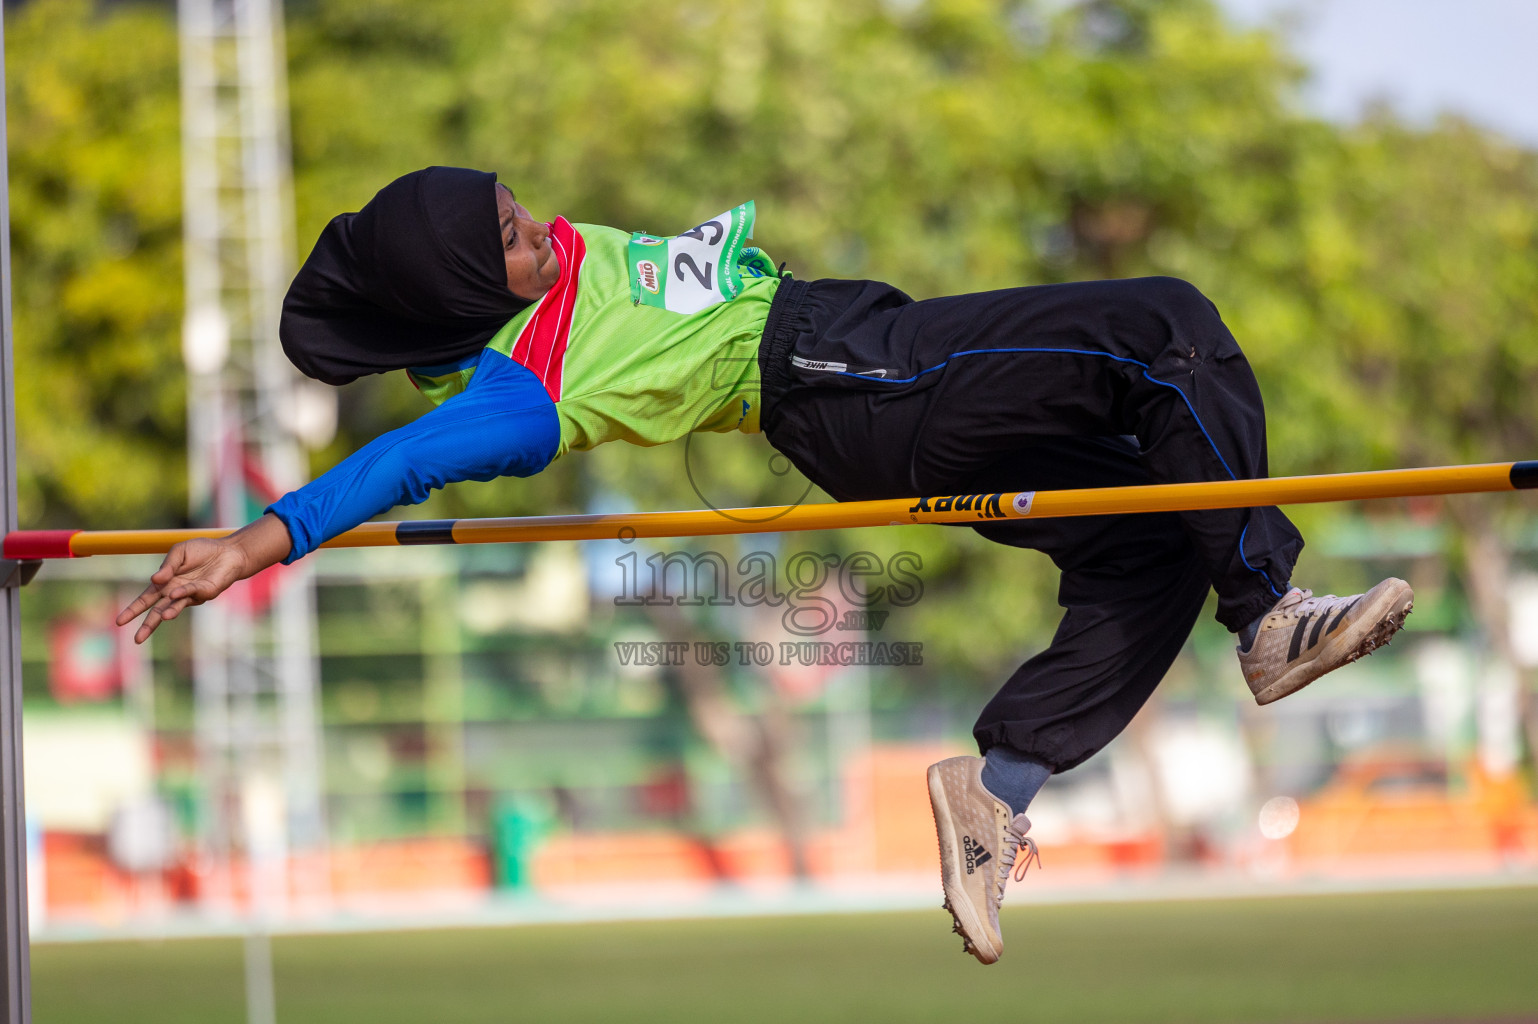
x: 404, y: 740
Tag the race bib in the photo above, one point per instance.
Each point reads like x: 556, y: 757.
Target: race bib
x: 697, y: 269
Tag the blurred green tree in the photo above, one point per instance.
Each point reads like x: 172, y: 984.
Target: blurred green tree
x: 1420, y: 260
x: 95, y: 157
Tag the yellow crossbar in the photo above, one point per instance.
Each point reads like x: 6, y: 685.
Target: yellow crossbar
x: 967, y: 509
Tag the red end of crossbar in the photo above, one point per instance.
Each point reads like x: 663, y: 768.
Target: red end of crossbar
x: 28, y: 544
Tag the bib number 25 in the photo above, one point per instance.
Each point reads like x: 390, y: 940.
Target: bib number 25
x: 694, y: 270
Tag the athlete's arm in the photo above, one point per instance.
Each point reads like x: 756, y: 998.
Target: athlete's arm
x: 502, y: 424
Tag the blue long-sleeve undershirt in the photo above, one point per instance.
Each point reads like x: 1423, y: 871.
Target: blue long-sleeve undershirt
x: 502, y: 424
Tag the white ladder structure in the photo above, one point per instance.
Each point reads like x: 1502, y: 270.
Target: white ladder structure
x: 257, y: 722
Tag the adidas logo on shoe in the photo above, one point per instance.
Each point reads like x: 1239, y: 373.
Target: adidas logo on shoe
x: 976, y: 854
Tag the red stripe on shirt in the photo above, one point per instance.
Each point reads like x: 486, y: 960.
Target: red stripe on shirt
x: 541, y: 345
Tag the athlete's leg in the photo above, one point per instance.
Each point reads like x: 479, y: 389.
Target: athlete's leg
x: 1131, y: 589
x: 1019, y: 390
x: 1148, y: 357
x: 945, y: 387
x: 1132, y: 586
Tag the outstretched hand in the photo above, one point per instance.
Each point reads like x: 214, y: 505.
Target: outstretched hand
x: 196, y: 571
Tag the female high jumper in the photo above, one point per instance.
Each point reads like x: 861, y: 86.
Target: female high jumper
x: 537, y: 339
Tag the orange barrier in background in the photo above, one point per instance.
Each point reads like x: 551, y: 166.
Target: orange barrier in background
x: 1390, y: 810
x: 1378, y: 816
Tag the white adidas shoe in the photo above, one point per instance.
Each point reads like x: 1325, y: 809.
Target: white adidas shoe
x: 1302, y: 637
x: 980, y: 839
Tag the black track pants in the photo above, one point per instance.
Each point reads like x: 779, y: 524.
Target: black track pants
x: 1096, y: 384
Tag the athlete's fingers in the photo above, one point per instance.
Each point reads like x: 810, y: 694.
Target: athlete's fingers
x: 173, y: 599
x: 186, y: 588
x: 181, y: 575
x: 159, y: 599
x: 139, y: 605
x: 193, y: 572
x: 152, y: 621
x: 132, y: 609
x: 147, y: 627
x: 151, y: 595
x: 160, y: 613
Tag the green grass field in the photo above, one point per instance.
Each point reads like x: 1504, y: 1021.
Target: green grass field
x: 1402, y: 957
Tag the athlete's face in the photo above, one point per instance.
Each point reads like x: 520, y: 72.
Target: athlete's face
x: 532, y: 269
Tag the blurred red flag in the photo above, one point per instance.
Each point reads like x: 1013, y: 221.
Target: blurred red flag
x: 84, y: 662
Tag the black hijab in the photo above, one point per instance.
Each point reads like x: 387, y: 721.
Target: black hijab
x: 415, y: 278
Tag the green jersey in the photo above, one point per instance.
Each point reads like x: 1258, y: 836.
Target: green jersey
x: 642, y: 339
